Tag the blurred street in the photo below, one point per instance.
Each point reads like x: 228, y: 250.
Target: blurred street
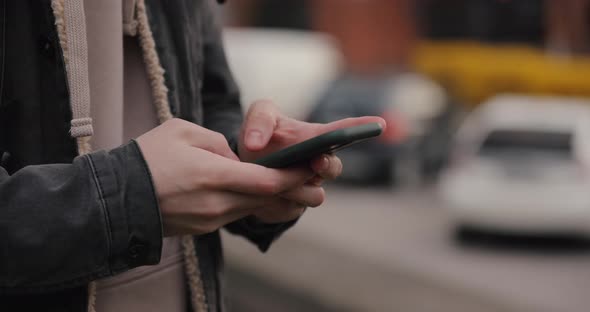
x: 385, y: 250
x: 490, y: 95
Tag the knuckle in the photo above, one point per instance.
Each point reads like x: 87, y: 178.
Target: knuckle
x: 263, y: 108
x: 208, y: 183
x: 264, y: 115
x: 268, y: 186
x: 175, y: 122
x: 213, y: 208
x: 198, y: 179
x: 181, y: 128
x: 219, y: 139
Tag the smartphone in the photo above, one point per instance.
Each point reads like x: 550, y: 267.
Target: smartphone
x: 321, y: 144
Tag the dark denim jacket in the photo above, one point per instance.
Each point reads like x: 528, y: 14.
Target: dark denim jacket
x: 67, y: 220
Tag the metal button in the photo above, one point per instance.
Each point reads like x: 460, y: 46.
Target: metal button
x: 136, y: 250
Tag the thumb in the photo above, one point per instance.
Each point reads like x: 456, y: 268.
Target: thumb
x: 260, y: 124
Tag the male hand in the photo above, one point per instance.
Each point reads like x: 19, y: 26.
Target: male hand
x: 201, y: 184
x: 266, y: 130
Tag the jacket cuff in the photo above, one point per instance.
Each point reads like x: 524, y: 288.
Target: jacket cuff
x: 259, y: 233
x: 133, y: 216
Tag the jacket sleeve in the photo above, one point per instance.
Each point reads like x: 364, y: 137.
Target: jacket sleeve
x: 220, y: 95
x: 223, y: 113
x: 63, y: 225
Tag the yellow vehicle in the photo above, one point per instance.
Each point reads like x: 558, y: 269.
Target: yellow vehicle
x: 473, y: 71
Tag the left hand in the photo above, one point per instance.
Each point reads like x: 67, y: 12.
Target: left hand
x: 266, y: 130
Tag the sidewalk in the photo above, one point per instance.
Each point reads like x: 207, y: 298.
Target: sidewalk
x: 368, y: 250
x: 346, y: 283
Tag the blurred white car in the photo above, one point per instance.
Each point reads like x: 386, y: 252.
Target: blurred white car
x: 521, y: 165
x: 290, y: 67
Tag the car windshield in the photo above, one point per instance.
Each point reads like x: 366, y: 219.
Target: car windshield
x: 519, y: 144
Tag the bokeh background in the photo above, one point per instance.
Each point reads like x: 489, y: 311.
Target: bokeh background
x: 476, y: 198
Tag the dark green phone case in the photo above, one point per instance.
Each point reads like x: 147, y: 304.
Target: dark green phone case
x: 324, y: 143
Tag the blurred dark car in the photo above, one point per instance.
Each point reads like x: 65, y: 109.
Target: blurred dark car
x: 415, y: 143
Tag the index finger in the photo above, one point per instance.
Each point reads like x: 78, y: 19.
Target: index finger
x: 250, y: 178
x: 351, y: 122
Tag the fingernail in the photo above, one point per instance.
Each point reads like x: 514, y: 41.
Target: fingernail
x: 325, y: 163
x: 254, y: 138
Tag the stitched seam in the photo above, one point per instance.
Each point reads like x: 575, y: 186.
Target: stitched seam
x: 104, y: 205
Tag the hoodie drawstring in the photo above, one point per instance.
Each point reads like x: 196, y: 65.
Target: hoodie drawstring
x: 71, y: 26
x: 70, y: 16
x: 155, y: 74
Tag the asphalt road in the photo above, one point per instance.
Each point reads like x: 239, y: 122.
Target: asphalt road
x: 384, y: 250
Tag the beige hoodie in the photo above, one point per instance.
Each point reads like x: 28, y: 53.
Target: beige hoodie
x: 123, y: 110
x: 107, y: 69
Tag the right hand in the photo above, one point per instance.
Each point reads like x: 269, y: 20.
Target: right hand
x: 201, y: 184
